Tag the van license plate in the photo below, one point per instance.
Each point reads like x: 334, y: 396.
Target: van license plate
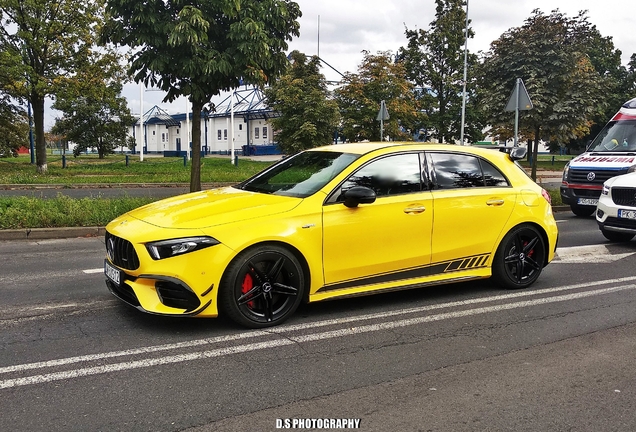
x: 112, y: 273
x: 627, y: 214
x: 587, y: 201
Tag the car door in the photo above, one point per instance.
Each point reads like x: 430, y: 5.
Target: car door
x: 386, y: 240
x: 473, y: 201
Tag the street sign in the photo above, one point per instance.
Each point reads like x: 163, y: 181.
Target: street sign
x: 383, y: 114
x: 519, y: 101
x: 519, y: 98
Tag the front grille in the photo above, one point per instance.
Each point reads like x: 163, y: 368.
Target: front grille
x: 580, y: 175
x: 121, y: 252
x: 177, y: 296
x: 624, y: 196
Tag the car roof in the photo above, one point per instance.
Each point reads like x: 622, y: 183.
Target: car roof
x: 367, y: 147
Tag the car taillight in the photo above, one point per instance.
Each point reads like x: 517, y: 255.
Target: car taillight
x: 546, y: 195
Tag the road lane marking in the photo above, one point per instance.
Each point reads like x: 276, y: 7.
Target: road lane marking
x: 95, y: 270
x: 291, y: 339
x: 590, y: 254
x: 286, y: 328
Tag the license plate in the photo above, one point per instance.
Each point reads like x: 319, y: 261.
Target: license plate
x: 627, y: 214
x: 112, y: 273
x: 587, y: 201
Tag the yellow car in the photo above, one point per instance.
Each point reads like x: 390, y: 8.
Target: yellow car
x: 335, y: 221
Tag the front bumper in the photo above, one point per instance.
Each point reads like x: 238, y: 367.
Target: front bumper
x: 607, y: 217
x: 570, y: 194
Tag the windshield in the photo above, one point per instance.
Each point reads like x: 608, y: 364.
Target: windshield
x: 616, y: 137
x: 300, y: 175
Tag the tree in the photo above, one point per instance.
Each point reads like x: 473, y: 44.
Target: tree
x: 14, y: 128
x: 198, y: 49
x: 548, y: 53
x: 41, y: 41
x: 308, y: 116
x: 94, y: 113
x: 434, y: 61
x: 359, y: 99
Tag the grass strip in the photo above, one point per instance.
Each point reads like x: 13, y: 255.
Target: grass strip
x: 63, y: 211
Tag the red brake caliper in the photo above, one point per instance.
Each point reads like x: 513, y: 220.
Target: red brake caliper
x: 248, y: 284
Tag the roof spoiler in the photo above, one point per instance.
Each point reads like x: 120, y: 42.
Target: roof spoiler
x: 515, y: 153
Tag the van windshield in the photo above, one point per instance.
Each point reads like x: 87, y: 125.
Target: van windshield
x: 616, y: 137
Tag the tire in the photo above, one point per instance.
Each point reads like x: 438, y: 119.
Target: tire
x: 519, y: 258
x: 614, y: 236
x: 582, y: 211
x: 262, y: 287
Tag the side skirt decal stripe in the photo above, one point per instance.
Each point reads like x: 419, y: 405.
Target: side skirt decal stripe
x: 459, y: 264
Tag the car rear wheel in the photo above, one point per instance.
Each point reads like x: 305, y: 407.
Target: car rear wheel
x: 519, y: 258
x: 262, y: 287
x: 582, y: 211
x: 617, y: 236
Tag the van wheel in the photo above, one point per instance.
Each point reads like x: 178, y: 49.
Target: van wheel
x: 582, y: 211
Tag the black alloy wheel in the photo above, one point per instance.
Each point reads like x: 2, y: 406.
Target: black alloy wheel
x: 519, y: 258
x: 262, y: 287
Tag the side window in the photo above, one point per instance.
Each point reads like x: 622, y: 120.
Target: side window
x: 392, y: 175
x: 453, y: 171
x: 218, y: 135
x: 492, y: 176
x: 256, y: 132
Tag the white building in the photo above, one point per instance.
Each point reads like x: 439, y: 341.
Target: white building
x: 171, y: 134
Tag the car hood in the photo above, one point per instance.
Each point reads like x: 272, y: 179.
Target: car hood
x: 625, y: 180
x: 211, y: 208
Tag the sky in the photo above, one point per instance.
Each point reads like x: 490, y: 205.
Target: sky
x: 339, y: 30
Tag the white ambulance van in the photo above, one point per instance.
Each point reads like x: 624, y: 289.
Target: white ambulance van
x: 611, y: 153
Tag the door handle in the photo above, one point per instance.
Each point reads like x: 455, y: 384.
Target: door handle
x: 410, y: 210
x: 495, y: 202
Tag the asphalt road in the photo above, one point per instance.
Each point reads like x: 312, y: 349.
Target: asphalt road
x: 464, y: 357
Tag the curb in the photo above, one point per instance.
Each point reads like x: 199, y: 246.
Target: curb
x: 51, y: 233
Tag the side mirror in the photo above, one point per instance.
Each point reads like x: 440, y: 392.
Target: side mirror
x: 358, y: 195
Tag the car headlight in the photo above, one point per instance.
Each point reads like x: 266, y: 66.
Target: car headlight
x: 169, y: 248
x: 632, y: 169
x: 605, y: 190
x: 566, y: 172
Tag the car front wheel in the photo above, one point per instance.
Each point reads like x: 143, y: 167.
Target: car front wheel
x: 262, y: 287
x: 614, y: 236
x: 519, y: 258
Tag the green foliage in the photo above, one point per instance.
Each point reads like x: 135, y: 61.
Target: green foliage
x: 309, y: 116
x: 198, y: 49
x: 549, y: 53
x: 359, y: 99
x: 14, y: 128
x: 94, y: 113
x: 434, y: 61
x: 63, y: 211
x: 42, y: 41
x: 88, y: 169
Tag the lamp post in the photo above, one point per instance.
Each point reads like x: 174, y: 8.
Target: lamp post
x: 461, y: 134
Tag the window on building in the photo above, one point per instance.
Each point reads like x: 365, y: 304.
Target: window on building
x: 163, y: 137
x: 154, y: 132
x: 218, y: 135
x: 224, y: 134
x: 256, y: 133
x: 177, y: 131
x: 264, y: 132
x: 240, y: 127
